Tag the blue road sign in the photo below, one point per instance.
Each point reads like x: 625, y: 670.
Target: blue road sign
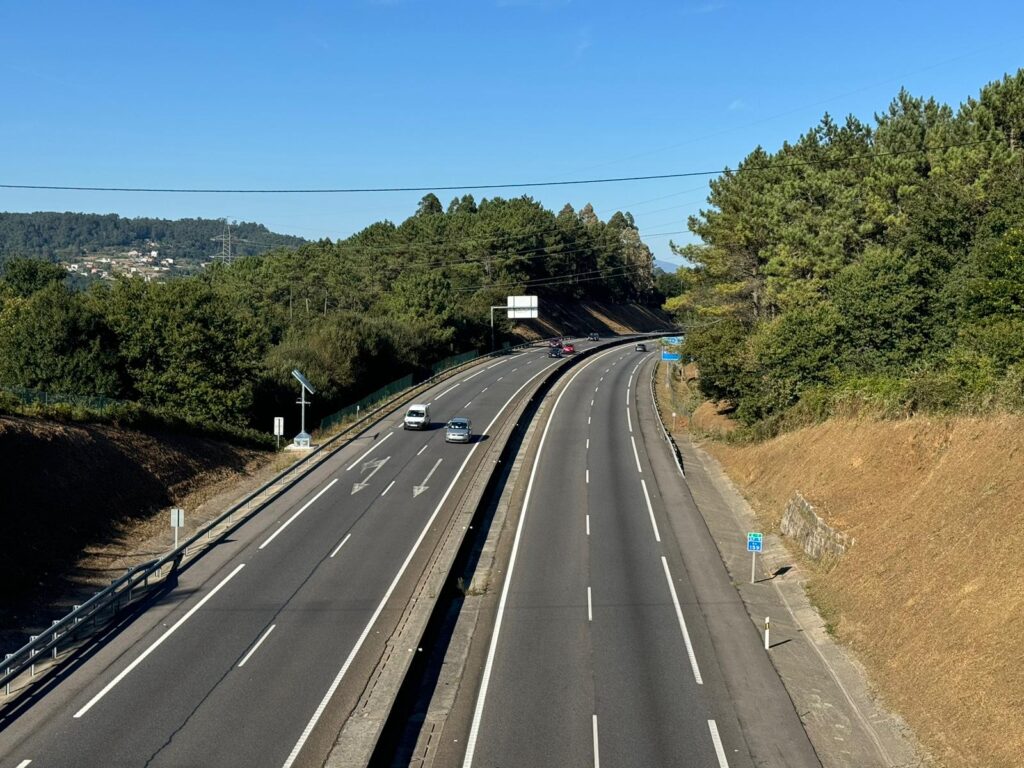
x: 671, y: 339
x: 754, y: 542
x: 671, y: 357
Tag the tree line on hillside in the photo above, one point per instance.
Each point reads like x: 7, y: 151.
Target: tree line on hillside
x: 218, y: 348
x: 879, y: 263
x: 55, y: 236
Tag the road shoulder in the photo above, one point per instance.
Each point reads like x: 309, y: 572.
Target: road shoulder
x: 847, y: 726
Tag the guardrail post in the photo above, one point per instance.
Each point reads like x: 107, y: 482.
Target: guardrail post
x: 7, y: 671
x: 32, y: 654
x: 54, y: 638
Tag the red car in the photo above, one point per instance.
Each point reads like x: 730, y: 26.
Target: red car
x: 568, y: 349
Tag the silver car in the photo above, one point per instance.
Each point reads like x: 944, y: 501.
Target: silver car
x: 458, y: 430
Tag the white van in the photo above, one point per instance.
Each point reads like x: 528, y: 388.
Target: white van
x: 417, y: 417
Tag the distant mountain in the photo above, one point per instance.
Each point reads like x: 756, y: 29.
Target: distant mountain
x: 665, y: 266
x: 72, y: 236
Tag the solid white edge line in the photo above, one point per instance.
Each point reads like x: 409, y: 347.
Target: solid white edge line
x: 303, y: 509
x: 258, y: 644
x: 635, y: 454
x: 650, y: 510
x: 24, y: 763
x: 376, y: 445
x: 590, y: 606
x: 597, y: 754
x: 349, y: 535
x: 478, y: 711
x: 629, y: 420
x: 382, y: 493
x: 717, y: 741
x: 318, y: 713
x: 682, y: 623
x: 627, y: 394
x: 159, y: 641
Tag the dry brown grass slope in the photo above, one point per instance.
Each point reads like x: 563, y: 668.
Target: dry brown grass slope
x: 931, y: 596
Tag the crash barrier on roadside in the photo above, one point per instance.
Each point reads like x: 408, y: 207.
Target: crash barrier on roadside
x: 67, y: 633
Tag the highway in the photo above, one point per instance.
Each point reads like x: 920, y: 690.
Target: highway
x: 264, y: 645
x: 617, y: 638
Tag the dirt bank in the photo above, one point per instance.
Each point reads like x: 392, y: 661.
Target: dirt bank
x: 930, y: 595
x: 82, y: 502
x: 579, y: 319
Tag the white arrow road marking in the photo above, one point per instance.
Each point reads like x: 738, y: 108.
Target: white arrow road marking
x: 376, y: 445
x: 376, y: 464
x: 418, y: 489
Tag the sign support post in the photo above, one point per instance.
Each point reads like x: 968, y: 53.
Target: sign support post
x: 754, y: 544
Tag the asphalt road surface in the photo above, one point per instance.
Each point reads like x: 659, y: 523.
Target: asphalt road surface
x: 618, y: 638
x: 267, y: 640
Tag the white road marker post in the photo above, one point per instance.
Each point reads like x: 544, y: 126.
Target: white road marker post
x: 767, y: 629
x: 673, y: 421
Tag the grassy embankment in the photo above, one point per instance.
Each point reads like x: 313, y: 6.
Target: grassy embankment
x: 930, y: 595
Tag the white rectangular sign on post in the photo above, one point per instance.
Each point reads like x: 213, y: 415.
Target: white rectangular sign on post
x: 522, y: 307
x: 279, y: 425
x: 177, y: 521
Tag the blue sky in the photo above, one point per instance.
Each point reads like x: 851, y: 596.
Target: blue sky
x: 375, y: 93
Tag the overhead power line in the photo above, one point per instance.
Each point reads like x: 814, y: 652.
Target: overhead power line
x: 510, y: 185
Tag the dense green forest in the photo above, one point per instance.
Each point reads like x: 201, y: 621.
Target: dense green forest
x: 218, y: 348
x: 56, y: 236
x: 872, y: 264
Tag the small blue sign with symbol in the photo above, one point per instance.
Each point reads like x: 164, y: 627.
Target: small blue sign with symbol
x: 671, y: 357
x: 671, y: 340
x: 754, y: 542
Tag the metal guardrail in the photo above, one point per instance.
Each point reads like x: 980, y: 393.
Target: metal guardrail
x: 67, y: 631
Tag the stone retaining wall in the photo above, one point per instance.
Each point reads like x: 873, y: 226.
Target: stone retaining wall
x: 819, y: 540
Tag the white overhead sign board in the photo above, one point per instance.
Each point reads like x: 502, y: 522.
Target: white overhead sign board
x: 522, y: 307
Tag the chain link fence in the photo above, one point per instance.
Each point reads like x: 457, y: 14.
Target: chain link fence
x: 354, y: 410
x: 38, y: 396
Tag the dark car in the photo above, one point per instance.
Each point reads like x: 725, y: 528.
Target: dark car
x: 555, y: 343
x: 555, y: 352
x: 641, y: 347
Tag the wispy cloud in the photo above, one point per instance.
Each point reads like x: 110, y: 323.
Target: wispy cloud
x: 736, y: 105
x: 583, y: 42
